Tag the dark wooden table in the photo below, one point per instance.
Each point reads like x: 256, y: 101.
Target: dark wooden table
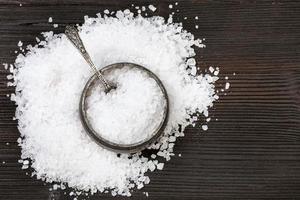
x: 251, y: 152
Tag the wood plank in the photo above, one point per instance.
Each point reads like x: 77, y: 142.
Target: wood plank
x: 251, y: 152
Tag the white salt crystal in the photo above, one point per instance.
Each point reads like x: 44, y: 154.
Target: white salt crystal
x: 20, y: 43
x: 139, y: 186
x: 227, y: 85
x: 55, y: 187
x: 196, y: 18
x: 179, y: 155
x: 172, y: 139
x: 211, y: 69
x: 216, y: 72
x: 25, y: 162
x: 143, y: 8
x: 193, y: 71
x: 176, y: 3
x: 204, y: 127
x: 25, y: 167
x: 160, y: 166
x: 106, y: 11
x: 50, y: 19
x: 126, y: 11
x: 5, y: 66
x: 196, y: 26
x: 226, y: 77
x: 151, y: 166
x: 152, y: 8
x: 185, y: 18
x: 7, y: 143
x: 170, y: 6
x: 55, y: 25
x: 191, y: 61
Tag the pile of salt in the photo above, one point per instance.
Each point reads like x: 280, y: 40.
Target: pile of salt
x: 47, y: 100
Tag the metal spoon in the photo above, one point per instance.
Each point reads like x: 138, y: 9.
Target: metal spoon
x: 73, y: 35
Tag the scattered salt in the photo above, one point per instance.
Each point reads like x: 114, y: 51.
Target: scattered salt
x: 204, y: 127
x: 106, y: 11
x: 25, y: 162
x: 47, y: 101
x: 152, y: 8
x: 160, y: 166
x: 227, y: 85
x: 20, y: 43
x: 5, y: 65
x: 216, y: 72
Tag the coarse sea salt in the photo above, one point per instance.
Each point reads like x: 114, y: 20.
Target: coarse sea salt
x: 132, y: 112
x: 52, y: 136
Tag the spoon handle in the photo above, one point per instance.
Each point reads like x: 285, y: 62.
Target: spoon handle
x: 73, y: 35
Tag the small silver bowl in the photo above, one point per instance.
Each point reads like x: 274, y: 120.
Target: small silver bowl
x: 121, y: 148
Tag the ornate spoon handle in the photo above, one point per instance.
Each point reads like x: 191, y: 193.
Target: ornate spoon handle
x: 73, y: 35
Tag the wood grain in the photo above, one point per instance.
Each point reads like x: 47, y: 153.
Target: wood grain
x: 251, y: 152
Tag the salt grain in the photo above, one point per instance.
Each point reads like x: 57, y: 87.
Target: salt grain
x: 47, y: 101
x: 20, y: 43
x: 204, y: 127
x: 160, y: 166
x: 152, y: 8
x: 50, y: 20
x: 227, y: 85
x: 106, y: 11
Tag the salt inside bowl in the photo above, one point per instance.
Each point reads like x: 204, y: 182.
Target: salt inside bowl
x: 130, y: 114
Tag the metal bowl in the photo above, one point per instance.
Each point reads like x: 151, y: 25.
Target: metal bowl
x: 121, y: 148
